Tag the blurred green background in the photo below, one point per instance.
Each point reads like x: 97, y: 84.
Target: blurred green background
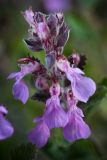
x: 87, y: 20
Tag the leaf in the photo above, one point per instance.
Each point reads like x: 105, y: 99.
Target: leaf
x: 24, y: 152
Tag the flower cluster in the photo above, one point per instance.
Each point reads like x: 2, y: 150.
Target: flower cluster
x: 60, y: 84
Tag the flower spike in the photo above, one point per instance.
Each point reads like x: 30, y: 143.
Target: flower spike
x: 60, y: 83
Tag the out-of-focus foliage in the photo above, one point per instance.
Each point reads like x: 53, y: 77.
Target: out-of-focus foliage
x: 25, y: 152
x: 87, y: 20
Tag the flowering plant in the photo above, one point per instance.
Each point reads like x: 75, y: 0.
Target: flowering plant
x: 61, y: 83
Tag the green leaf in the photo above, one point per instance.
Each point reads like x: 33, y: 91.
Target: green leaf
x: 24, y: 152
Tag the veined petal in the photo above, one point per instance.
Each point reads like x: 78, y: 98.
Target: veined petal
x: 83, y: 87
x: 55, y: 116
x: 76, y: 129
x: 6, y: 129
x: 39, y: 135
x: 20, y: 91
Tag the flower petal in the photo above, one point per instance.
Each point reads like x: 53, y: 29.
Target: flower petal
x: 28, y: 15
x: 3, y: 110
x: 39, y: 135
x: 6, y: 129
x: 56, y: 118
x: 15, y: 75
x: 77, y: 70
x: 82, y: 87
x: 20, y: 91
x: 76, y: 129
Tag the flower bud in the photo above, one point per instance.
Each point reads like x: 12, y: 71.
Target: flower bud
x: 28, y: 15
x: 43, y: 31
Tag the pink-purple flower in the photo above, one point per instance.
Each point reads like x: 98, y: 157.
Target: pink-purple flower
x: 76, y: 128
x: 54, y: 115
x: 20, y: 90
x: 82, y: 87
x: 60, y: 83
x: 40, y: 134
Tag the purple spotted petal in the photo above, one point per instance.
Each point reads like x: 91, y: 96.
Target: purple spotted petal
x: 39, y: 135
x: 76, y: 129
x: 54, y: 115
x: 82, y: 87
x: 20, y: 91
x: 6, y: 129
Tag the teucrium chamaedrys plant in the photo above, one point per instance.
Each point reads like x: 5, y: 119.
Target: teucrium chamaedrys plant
x: 60, y: 83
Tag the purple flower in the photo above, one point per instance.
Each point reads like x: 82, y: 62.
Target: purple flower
x: 54, y: 114
x: 43, y: 30
x: 40, y: 134
x: 25, y: 69
x: 82, y: 87
x: 76, y: 128
x: 20, y: 91
x: 57, y: 5
x: 46, y: 32
x: 6, y: 129
x: 50, y: 33
x: 38, y: 23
